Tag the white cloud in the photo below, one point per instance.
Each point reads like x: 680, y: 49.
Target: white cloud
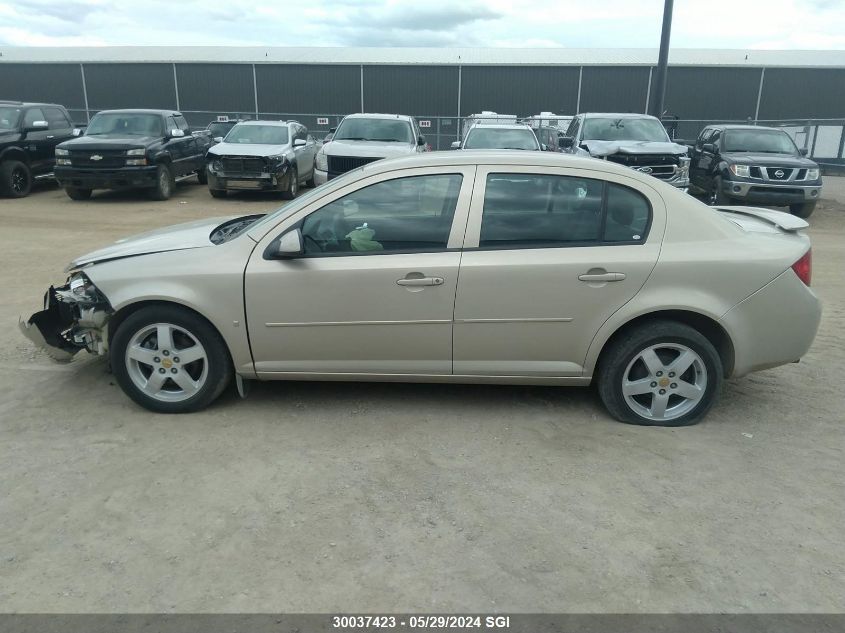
x: 808, y: 24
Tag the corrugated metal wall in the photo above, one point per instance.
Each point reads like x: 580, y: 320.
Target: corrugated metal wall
x: 55, y: 83
x: 804, y: 93
x: 414, y: 90
x: 130, y: 86
x: 301, y: 88
x: 613, y: 89
x: 520, y: 90
x: 706, y: 93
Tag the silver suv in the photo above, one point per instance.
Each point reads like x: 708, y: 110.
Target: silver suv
x: 263, y: 155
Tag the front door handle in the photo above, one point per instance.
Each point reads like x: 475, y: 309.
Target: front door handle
x: 602, y: 277
x: 420, y: 281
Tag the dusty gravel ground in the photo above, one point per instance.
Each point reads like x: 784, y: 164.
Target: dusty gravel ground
x: 379, y: 497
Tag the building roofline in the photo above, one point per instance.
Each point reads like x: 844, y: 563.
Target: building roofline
x: 424, y: 56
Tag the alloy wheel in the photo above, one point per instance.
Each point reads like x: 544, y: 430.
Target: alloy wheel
x: 166, y: 362
x: 664, y: 381
x: 19, y: 180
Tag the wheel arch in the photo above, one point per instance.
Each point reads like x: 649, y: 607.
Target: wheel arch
x: 15, y: 153
x: 702, y: 323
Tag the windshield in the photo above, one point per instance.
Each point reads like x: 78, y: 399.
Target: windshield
x: 9, y: 118
x: 258, y: 134
x: 123, y: 124
x: 766, y: 141
x: 500, y: 138
x: 220, y: 128
x: 387, y: 130
x: 624, y: 130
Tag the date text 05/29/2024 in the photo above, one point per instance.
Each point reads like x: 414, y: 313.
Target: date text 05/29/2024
x: 358, y: 622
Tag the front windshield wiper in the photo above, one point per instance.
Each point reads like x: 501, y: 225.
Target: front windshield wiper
x: 351, y: 138
x: 387, y: 140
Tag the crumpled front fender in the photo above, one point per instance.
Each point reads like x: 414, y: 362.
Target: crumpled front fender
x: 48, y: 328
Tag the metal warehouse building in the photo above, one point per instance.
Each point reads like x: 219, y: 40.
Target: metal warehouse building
x: 437, y: 85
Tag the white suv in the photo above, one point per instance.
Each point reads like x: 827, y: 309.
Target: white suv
x: 364, y: 138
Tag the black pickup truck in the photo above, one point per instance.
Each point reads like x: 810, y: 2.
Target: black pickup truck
x: 132, y: 149
x: 736, y: 164
x: 29, y: 133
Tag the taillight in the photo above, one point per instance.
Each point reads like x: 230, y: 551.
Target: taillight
x: 804, y: 267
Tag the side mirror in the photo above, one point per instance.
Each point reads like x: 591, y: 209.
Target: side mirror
x: 300, y: 142
x: 420, y: 140
x: 544, y: 147
x: 290, y: 245
x: 804, y: 151
x: 77, y: 131
x: 218, y: 139
x: 177, y: 133
x: 566, y: 142
x: 332, y: 130
x: 456, y: 145
x: 708, y: 147
x: 36, y: 126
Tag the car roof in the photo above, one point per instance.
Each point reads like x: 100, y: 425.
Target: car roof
x: 376, y: 115
x: 727, y: 126
x: 260, y: 122
x: 506, y: 158
x: 26, y: 103
x: 616, y: 115
x: 500, y: 126
x: 141, y: 111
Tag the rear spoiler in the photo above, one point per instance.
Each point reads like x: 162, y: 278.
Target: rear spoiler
x: 784, y: 221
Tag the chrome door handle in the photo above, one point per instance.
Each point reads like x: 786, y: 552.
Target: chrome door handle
x: 51, y: 137
x: 421, y: 281
x: 602, y: 277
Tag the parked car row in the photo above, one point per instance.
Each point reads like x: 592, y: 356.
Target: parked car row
x: 152, y: 149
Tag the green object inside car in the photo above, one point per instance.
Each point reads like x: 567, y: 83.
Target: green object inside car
x: 361, y: 239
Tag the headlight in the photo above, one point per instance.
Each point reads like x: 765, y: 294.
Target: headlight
x: 275, y: 159
x: 813, y: 174
x: 321, y: 162
x: 743, y: 171
x: 136, y: 152
x: 134, y: 162
x: 63, y: 161
x: 62, y: 152
x: 684, y: 165
x: 83, y: 290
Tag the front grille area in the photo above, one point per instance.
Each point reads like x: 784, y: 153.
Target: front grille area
x: 661, y: 166
x: 242, y: 165
x: 103, y: 158
x: 778, y: 173
x: 343, y: 164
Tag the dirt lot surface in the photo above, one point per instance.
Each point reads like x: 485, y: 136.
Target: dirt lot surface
x: 380, y: 497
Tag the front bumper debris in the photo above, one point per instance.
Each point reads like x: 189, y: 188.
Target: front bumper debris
x: 68, y: 324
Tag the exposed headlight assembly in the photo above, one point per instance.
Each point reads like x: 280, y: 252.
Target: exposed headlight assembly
x: 80, y: 289
x: 321, y: 162
x: 62, y: 152
x: 743, y: 171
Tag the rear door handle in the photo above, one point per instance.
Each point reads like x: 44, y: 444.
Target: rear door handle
x: 602, y: 277
x: 420, y: 281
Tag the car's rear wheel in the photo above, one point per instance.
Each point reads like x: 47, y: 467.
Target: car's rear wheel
x: 217, y: 193
x: 164, y: 183
x: 170, y: 360
x: 803, y: 210
x: 15, y: 179
x: 661, y: 374
x: 293, y: 185
x: 75, y: 193
x: 202, y: 176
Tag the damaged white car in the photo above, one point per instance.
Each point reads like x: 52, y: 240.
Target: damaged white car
x: 637, y: 141
x: 474, y: 266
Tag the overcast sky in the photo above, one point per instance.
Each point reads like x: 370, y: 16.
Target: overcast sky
x: 761, y: 24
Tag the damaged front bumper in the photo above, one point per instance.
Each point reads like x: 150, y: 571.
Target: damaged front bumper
x: 75, y: 317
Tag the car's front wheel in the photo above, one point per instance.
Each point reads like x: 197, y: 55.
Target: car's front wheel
x: 164, y: 183
x: 293, y: 185
x: 202, y: 176
x: 15, y: 179
x: 803, y: 210
x: 75, y: 193
x: 716, y: 197
x: 662, y: 373
x: 170, y: 360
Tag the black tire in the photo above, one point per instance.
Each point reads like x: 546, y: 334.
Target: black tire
x: 716, y: 197
x: 74, y: 193
x: 803, y: 210
x: 219, y: 370
x: 165, y: 183
x: 15, y: 179
x: 202, y: 176
x: 217, y: 193
x: 293, y: 184
x: 623, y: 351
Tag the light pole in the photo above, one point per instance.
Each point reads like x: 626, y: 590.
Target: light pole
x: 663, y: 60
